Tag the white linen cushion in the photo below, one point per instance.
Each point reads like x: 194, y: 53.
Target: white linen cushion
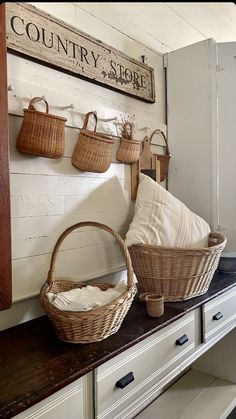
x: 161, y: 219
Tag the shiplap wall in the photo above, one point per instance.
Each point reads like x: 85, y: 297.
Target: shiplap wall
x: 49, y: 195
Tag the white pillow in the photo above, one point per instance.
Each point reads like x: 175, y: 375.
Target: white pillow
x: 161, y: 219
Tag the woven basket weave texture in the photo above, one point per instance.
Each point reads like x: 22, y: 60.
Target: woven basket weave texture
x: 176, y: 273
x: 129, y: 149
x: 41, y: 133
x: 96, y: 324
x: 155, y: 305
x: 93, y: 150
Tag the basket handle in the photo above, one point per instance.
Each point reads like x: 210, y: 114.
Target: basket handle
x: 127, y: 131
x: 87, y: 119
x: 161, y: 133
x: 50, y: 278
x: 38, y: 99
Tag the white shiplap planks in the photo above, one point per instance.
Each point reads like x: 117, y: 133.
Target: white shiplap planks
x: 207, y: 19
x: 49, y: 195
x: 154, y: 21
x: 164, y: 26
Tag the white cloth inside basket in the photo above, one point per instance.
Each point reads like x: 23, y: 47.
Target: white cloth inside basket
x: 85, y: 298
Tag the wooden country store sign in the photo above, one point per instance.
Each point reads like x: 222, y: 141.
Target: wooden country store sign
x: 41, y: 36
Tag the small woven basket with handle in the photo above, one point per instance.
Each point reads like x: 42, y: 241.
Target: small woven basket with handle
x: 164, y: 159
x: 93, y: 150
x: 129, y: 149
x: 41, y: 133
x: 96, y: 324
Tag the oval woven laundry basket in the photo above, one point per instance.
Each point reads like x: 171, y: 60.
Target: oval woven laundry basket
x: 174, y: 272
x: 96, y: 324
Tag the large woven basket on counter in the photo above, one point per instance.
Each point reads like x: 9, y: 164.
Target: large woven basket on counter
x: 98, y: 323
x: 176, y: 273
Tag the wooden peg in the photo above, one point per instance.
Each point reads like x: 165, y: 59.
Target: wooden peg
x: 135, y: 170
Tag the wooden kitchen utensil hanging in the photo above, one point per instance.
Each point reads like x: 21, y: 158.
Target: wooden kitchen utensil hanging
x: 41, y: 133
x: 129, y: 149
x: 93, y: 150
x: 163, y: 158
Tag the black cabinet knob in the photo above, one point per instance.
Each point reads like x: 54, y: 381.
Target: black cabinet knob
x: 217, y: 316
x: 124, y: 381
x: 182, y: 340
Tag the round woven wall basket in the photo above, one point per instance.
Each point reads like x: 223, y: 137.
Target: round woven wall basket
x: 176, y: 273
x: 41, y: 133
x: 129, y: 149
x: 93, y: 150
x: 96, y: 324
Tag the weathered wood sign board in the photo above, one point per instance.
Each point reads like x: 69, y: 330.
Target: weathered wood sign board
x: 41, y: 36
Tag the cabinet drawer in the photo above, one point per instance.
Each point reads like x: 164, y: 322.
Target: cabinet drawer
x: 146, y: 363
x: 219, y: 315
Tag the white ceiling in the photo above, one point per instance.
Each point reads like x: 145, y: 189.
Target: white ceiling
x: 167, y: 26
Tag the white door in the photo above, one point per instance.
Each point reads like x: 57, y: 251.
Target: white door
x: 201, y: 103
x: 227, y: 141
x: 192, y: 133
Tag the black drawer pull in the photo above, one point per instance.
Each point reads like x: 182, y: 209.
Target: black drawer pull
x: 124, y: 381
x: 218, y: 316
x: 182, y: 340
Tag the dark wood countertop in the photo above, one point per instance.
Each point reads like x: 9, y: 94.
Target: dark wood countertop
x: 36, y: 364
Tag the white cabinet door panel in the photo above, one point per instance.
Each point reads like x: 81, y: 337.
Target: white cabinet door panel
x: 64, y: 404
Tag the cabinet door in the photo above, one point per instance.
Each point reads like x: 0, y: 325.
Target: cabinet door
x: 64, y: 404
x: 192, y: 131
x: 227, y: 144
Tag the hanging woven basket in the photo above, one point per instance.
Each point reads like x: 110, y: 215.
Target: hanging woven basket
x: 41, y: 133
x: 93, y: 150
x: 129, y: 149
x: 163, y: 158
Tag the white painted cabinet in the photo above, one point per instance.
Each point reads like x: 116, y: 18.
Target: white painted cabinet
x: 207, y: 389
x: 72, y: 402
x: 128, y: 383
x: 144, y: 369
x: 201, y: 100
x: 219, y: 315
